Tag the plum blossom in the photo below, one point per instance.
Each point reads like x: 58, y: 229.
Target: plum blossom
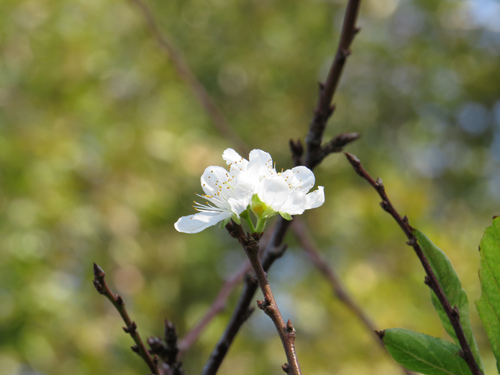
x: 251, y: 185
x: 288, y: 192
x: 226, y: 198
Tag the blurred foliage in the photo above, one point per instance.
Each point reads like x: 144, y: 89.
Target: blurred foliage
x: 102, y: 146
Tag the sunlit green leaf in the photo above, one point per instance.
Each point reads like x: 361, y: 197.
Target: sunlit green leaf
x: 423, y: 353
x: 452, y: 288
x: 489, y: 273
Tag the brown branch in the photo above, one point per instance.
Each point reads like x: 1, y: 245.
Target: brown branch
x: 131, y: 326
x: 185, y: 73
x: 338, y: 143
x: 225, y: 129
x: 324, y: 109
x: 286, y: 332
x: 315, y: 154
x: 272, y: 252
x: 335, y: 145
x: 307, y: 244
x: 220, y: 301
x: 167, y: 350
x: 431, y: 279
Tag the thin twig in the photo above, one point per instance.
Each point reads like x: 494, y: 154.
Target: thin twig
x: 272, y: 252
x: 431, y: 279
x: 220, y: 301
x: 338, y: 143
x: 286, y: 332
x: 335, y: 145
x: 307, y: 244
x: 324, y: 109
x: 185, y: 73
x: 167, y: 350
x: 131, y: 326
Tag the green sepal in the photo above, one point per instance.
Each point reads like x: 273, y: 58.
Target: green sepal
x: 286, y: 216
x: 260, y: 209
x: 224, y: 222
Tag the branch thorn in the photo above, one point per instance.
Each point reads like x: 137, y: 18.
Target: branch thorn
x: 289, y: 326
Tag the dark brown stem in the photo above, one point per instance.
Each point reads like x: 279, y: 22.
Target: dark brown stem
x: 185, y: 73
x: 167, y: 350
x: 431, y: 279
x: 307, y: 244
x: 272, y: 252
x: 286, y: 332
x: 131, y: 326
x: 324, y: 108
x: 338, y: 143
x: 220, y: 301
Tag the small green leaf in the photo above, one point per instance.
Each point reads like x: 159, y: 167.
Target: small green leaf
x: 488, y: 305
x: 423, y: 353
x: 452, y: 288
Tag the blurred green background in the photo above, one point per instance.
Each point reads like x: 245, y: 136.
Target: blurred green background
x: 102, y: 146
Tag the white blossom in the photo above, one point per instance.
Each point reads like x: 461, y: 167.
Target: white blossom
x: 288, y: 192
x: 251, y: 184
x: 225, y: 199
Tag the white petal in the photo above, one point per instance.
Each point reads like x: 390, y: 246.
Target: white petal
x: 213, y: 178
x: 196, y: 223
x: 238, y: 206
x: 235, y: 161
x: 273, y: 192
x: 316, y: 198
x: 260, y: 165
x: 305, y: 178
x: 242, y: 196
x: 245, y: 180
x: 295, y: 203
x: 301, y: 178
x: 231, y: 157
x: 259, y: 156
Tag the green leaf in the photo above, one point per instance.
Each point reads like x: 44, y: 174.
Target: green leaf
x: 423, y: 353
x: 452, y: 288
x: 488, y: 304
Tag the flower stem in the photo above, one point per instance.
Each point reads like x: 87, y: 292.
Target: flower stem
x: 245, y: 215
x: 261, y: 224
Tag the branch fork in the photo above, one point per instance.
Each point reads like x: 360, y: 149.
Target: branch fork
x: 250, y: 243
